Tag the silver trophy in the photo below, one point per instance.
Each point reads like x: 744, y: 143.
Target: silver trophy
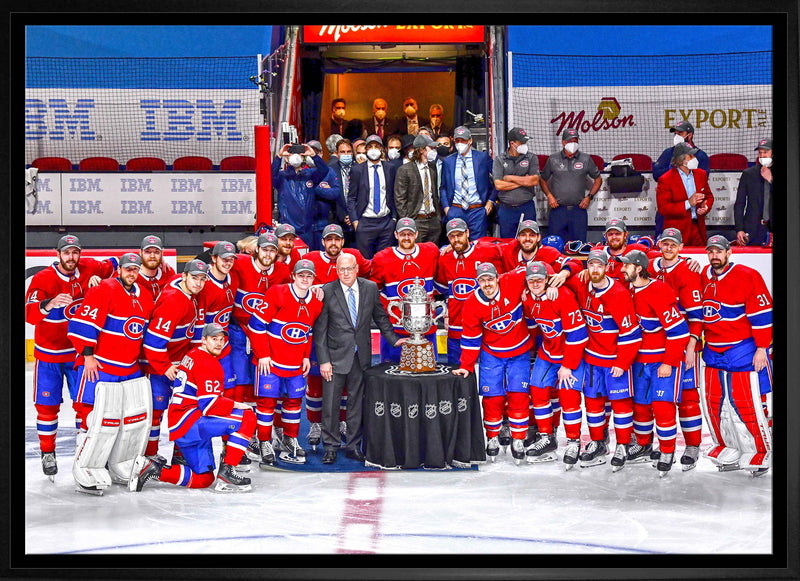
x: 417, y: 312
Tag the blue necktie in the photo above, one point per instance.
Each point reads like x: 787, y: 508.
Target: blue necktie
x: 351, y: 303
x: 376, y: 196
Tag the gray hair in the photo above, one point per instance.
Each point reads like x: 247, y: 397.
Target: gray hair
x: 333, y: 141
x: 678, y: 161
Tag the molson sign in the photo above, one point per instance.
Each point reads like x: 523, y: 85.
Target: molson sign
x: 607, y: 116
x: 424, y: 33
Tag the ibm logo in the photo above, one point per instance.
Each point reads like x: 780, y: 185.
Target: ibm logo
x: 237, y: 185
x: 242, y: 207
x: 187, y: 185
x: 135, y: 185
x: 187, y: 207
x: 86, y: 207
x: 185, y: 120
x: 54, y: 120
x: 85, y: 185
x: 136, y: 207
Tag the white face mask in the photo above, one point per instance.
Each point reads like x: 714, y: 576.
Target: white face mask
x: 692, y: 164
x: 310, y: 161
x: 765, y: 161
x: 522, y: 149
x: 462, y: 148
x: 410, y: 154
x: 432, y: 155
x: 677, y: 139
x: 374, y: 154
x: 393, y: 153
x: 295, y: 160
x: 571, y: 147
x: 361, y: 158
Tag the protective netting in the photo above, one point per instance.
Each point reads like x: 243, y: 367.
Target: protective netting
x: 626, y: 104
x: 140, y: 107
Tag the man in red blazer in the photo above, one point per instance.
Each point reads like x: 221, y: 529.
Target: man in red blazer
x: 683, y: 196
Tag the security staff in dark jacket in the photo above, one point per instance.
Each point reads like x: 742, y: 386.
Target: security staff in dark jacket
x: 752, y: 212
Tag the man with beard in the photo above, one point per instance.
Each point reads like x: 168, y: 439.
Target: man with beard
x: 527, y: 247
x: 154, y: 273
x: 659, y: 367
x: 287, y: 253
x: 54, y: 295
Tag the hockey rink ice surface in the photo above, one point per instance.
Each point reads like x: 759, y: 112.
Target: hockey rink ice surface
x: 500, y: 508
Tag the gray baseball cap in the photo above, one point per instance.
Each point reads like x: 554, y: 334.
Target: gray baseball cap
x: 535, y: 269
x: 672, y: 234
x: 718, y: 242
x: 528, y: 225
x: 570, y: 134
x: 284, y: 229
x: 304, y: 265
x: 764, y: 144
x: 456, y: 225
x: 682, y: 126
x: 151, y: 242
x: 68, y: 241
x: 683, y: 149
x: 213, y: 329
x: 373, y: 139
x: 462, y: 132
x: 332, y: 230
x: 484, y: 269
x: 130, y: 259
x: 406, y: 224
x: 423, y: 140
x: 314, y: 144
x: 196, y: 266
x: 267, y: 239
x: 599, y: 255
x: 517, y: 134
x: 616, y: 224
x: 223, y: 249
x: 635, y: 257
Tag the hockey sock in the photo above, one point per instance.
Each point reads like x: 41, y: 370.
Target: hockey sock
x: 183, y: 476
x: 555, y: 404
x: 608, y: 409
x: 343, y: 406
x: 518, y: 413
x: 239, y: 391
x: 643, y: 423
x: 623, y: 419
x: 77, y: 407
x: 596, y: 417
x: 493, y: 414
x: 82, y: 411
x: 155, y: 432
x: 691, y: 416
x: 572, y: 414
x: 277, y: 421
x: 666, y: 428
x: 314, y: 399
x: 542, y: 410
x: 290, y: 416
x: 764, y: 407
x: 47, y: 426
x: 239, y: 439
x: 265, y: 411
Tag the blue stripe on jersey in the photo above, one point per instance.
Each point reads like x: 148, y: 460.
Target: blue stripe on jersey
x: 499, y: 351
x: 471, y: 342
x: 650, y: 324
x: 635, y: 334
x: 577, y: 335
x: 761, y: 319
x: 390, y: 288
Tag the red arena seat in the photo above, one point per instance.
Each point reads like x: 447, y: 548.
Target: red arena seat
x: 98, y: 164
x: 641, y: 162
x: 52, y: 164
x: 542, y: 160
x: 146, y: 164
x: 192, y: 163
x: 598, y: 161
x: 728, y: 161
x: 238, y: 163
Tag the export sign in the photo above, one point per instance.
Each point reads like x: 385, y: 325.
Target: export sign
x: 415, y: 34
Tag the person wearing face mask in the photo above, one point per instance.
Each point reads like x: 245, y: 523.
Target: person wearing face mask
x: 683, y: 196
x: 416, y: 190
x: 295, y: 181
x: 752, y: 213
x: 438, y: 128
x: 370, y: 200
x: 516, y: 173
x: 379, y: 124
x: 359, y: 151
x: 341, y: 166
x: 563, y: 181
x: 406, y: 149
x: 350, y: 129
x: 327, y: 197
x: 683, y: 132
x: 411, y: 122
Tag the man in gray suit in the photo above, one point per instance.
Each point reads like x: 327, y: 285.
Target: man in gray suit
x: 344, y: 351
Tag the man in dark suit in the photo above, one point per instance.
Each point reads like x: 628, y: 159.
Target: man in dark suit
x: 416, y: 191
x: 343, y: 344
x: 379, y: 124
x: 370, y: 200
x: 348, y: 129
x: 467, y: 189
x: 752, y: 212
x: 438, y: 128
x: 411, y: 122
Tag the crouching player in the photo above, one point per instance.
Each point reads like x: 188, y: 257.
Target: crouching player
x: 659, y: 367
x: 494, y: 331
x: 114, y: 400
x: 198, y: 411
x: 559, y: 364
x: 737, y: 317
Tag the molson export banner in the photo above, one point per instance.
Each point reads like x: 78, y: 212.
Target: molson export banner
x: 415, y: 34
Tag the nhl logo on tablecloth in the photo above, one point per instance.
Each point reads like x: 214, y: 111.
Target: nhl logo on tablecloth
x: 430, y: 410
x: 413, y: 410
x: 445, y: 407
x: 396, y: 410
x: 462, y: 404
x: 379, y: 408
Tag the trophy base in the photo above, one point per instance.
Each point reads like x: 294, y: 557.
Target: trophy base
x: 417, y: 357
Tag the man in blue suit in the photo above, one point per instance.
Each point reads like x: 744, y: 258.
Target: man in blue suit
x: 370, y: 200
x: 467, y: 189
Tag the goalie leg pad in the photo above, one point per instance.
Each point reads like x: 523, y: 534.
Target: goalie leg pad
x: 103, y: 424
x: 137, y: 413
x: 750, y: 423
x: 711, y: 402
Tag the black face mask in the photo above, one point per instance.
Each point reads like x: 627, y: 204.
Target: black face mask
x: 443, y: 150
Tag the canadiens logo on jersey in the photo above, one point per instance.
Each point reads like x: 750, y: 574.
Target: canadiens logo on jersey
x: 224, y: 316
x: 295, y: 333
x: 71, y: 309
x: 404, y: 286
x: 501, y: 324
x: 593, y: 320
x: 461, y: 288
x: 134, y: 328
x: 711, y: 311
x: 548, y: 328
x: 252, y: 301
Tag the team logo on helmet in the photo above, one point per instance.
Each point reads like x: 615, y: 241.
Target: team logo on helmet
x: 593, y: 320
x: 223, y: 317
x: 295, y: 333
x: 501, y: 324
x: 430, y: 410
x: 548, y: 328
x: 711, y: 311
x: 134, y: 328
x: 379, y: 408
x: 461, y: 288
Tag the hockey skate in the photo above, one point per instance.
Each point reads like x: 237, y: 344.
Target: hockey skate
x: 517, y: 451
x: 543, y: 450
x: 530, y: 437
x: 291, y: 451
x: 228, y: 480
x: 594, y: 454
x: 253, y: 449
x: 93, y: 490
x: 267, y: 457
x: 638, y: 454
x: 571, y: 453
x: 620, y: 455
x: 314, y: 435
x: 277, y: 437
x: 493, y: 448
x: 49, y: 466
x: 244, y: 463
x: 665, y: 463
x: 689, y: 458
x: 758, y: 472
x: 504, y: 437
x: 144, y: 470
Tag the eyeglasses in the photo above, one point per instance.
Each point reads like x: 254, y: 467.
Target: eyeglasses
x: 432, y: 115
x: 346, y: 269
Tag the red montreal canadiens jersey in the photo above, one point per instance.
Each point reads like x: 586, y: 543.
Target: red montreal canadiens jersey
x: 325, y: 266
x: 281, y: 328
x: 172, y: 327
x: 686, y: 285
x: 664, y: 329
x: 736, y: 306
x: 455, y: 279
x: 112, y: 321
x: 495, y: 325
x: 564, y: 334
x: 394, y: 273
x: 614, y: 268
x: 614, y: 332
x: 218, y: 296
x: 251, y: 283
x: 290, y: 260
x: 156, y: 283
x: 50, y: 336
x: 201, y: 380
x: 512, y: 258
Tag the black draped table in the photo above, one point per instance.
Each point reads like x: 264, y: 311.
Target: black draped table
x: 422, y: 419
